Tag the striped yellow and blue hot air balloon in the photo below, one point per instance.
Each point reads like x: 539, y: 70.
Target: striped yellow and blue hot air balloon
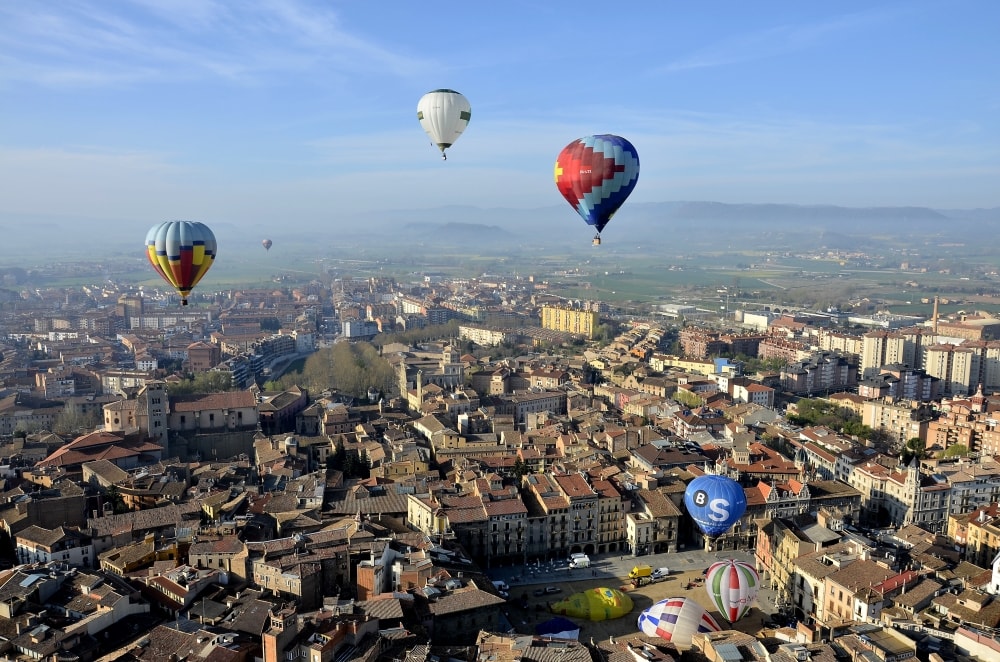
x: 181, y: 252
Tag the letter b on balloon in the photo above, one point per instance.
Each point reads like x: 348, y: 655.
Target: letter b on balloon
x: 715, y: 503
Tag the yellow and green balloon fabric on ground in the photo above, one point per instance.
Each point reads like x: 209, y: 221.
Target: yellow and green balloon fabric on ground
x: 596, y: 604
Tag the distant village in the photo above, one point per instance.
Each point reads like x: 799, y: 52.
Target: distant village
x: 254, y: 524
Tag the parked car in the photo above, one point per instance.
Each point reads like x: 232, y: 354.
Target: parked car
x: 661, y: 573
x: 552, y: 589
x: 538, y: 592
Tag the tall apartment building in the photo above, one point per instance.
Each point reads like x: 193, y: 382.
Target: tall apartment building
x: 841, y: 342
x: 901, y: 383
x: 823, y: 371
x: 899, y: 419
x: 700, y: 343
x: 580, y: 322
x: 957, y: 367
x: 129, y: 306
x: 881, y: 348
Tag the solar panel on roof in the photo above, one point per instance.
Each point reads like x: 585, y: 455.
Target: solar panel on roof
x: 728, y: 652
x: 30, y: 579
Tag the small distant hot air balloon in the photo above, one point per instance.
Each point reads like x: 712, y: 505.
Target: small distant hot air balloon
x: 181, y: 252
x: 596, y: 174
x: 266, y: 244
x: 715, y: 503
x: 676, y: 620
x: 732, y: 587
x: 444, y: 114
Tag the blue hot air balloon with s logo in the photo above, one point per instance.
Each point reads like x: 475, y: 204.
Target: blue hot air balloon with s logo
x: 715, y: 503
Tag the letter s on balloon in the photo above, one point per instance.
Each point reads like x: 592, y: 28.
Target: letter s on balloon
x: 719, y: 508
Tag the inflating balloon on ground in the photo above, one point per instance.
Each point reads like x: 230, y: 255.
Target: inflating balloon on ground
x: 596, y: 604
x: 676, y: 620
x: 732, y: 587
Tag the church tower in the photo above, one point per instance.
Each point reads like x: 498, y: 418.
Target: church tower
x: 451, y: 367
x: 978, y: 401
x: 155, y: 399
x: 912, y: 490
x: 281, y: 631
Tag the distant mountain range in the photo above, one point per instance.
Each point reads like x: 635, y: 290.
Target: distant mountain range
x: 693, y: 225
x: 697, y: 223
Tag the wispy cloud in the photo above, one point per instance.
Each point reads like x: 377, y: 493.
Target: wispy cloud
x: 771, y: 42
x: 87, y: 44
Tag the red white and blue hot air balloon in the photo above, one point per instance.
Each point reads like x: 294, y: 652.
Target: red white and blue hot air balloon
x: 596, y: 174
x: 732, y: 587
x: 676, y: 620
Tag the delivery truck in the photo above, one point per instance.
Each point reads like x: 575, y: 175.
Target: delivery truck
x: 640, y: 571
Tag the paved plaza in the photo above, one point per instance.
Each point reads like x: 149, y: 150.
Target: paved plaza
x: 612, y: 571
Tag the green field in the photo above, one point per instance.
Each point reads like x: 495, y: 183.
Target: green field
x: 614, y: 273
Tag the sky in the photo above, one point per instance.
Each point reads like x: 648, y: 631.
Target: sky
x: 305, y: 110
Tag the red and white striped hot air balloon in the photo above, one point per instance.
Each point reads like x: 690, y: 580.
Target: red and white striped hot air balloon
x: 732, y: 587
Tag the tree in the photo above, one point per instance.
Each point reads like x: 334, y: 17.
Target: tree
x: 71, y: 421
x: 116, y: 500
x: 351, y: 368
x: 956, y: 450
x: 213, y: 381
x: 688, y: 398
x: 914, y: 448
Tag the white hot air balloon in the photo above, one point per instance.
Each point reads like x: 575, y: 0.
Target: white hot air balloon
x: 444, y: 114
x: 676, y: 620
x: 732, y: 587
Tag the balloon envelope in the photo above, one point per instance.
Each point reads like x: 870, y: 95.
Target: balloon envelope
x: 676, y: 619
x: 181, y: 252
x: 266, y: 244
x: 596, y: 604
x: 558, y: 628
x: 732, y: 587
x: 444, y: 114
x: 715, y: 503
x: 596, y: 174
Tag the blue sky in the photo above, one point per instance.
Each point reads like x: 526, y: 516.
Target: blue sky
x: 298, y: 110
